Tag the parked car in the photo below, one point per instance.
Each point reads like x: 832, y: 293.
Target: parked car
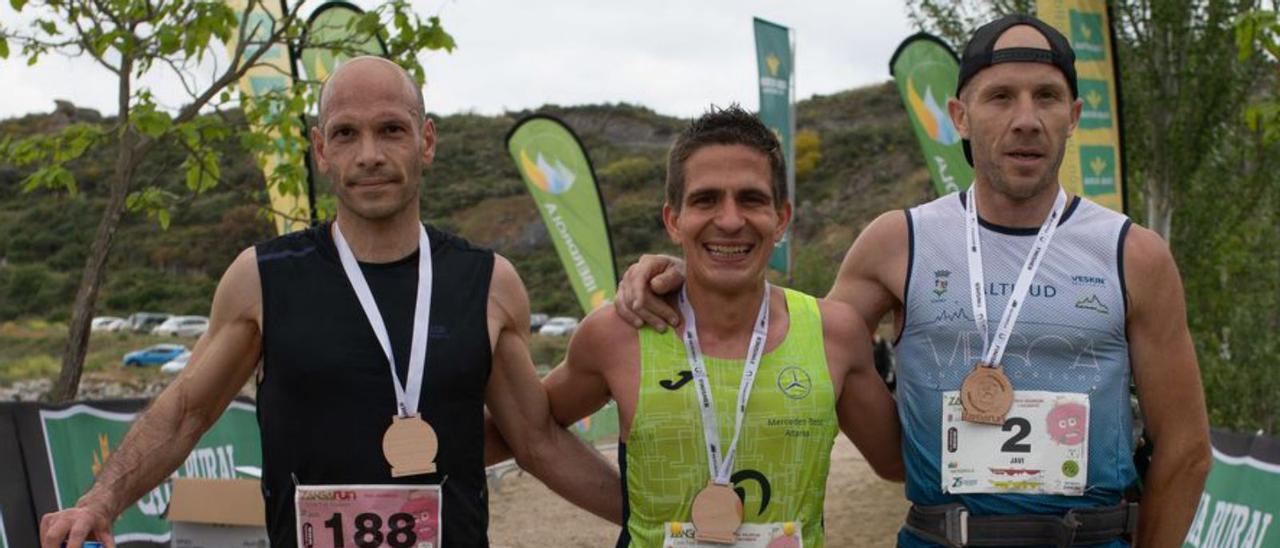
x: 559, y: 326
x: 107, y: 323
x: 177, y: 364
x: 154, y: 355
x: 536, y: 321
x: 182, y: 326
x: 144, y: 322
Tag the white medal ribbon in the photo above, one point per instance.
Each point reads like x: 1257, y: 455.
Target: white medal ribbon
x: 995, y: 348
x: 722, y: 467
x: 407, y: 395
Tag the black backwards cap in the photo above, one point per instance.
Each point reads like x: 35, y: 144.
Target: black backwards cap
x: 979, y: 54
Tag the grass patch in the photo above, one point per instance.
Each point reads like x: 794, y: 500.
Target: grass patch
x: 33, y: 349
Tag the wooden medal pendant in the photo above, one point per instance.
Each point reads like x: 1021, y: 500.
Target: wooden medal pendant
x: 717, y: 513
x: 986, y: 395
x: 410, y: 446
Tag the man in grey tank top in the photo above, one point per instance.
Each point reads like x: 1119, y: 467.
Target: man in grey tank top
x: 1103, y: 302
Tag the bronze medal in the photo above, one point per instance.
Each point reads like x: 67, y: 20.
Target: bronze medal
x: 986, y: 395
x: 410, y: 446
x: 717, y: 513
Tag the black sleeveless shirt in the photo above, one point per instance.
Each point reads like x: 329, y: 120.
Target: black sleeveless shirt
x: 325, y: 395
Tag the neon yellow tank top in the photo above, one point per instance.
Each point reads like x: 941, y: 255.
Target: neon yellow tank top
x: 783, y: 454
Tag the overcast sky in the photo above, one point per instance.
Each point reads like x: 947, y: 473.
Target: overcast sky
x: 675, y: 57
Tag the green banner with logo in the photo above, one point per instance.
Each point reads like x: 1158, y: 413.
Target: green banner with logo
x: 331, y: 31
x: 80, y: 438
x: 1093, y: 163
x: 775, y: 63
x: 1241, y: 500
x: 561, y: 181
x: 272, y: 74
x: 601, y: 427
x: 926, y: 70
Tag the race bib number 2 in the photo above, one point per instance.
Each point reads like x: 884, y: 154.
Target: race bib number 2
x: 368, y: 516
x: 1042, y: 447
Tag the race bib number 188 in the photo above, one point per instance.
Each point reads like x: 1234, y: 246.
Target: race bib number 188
x: 368, y: 516
x: 1042, y: 447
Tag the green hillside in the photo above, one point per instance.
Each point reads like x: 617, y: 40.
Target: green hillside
x: 857, y: 160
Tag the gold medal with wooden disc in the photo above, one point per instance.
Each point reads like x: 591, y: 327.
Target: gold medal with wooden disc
x: 717, y: 513
x: 410, y: 446
x: 986, y: 395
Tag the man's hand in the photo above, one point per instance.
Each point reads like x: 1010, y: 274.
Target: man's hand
x: 161, y: 438
x: 639, y: 299
x: 76, y: 525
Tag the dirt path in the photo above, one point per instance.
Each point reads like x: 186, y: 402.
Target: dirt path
x: 862, y: 510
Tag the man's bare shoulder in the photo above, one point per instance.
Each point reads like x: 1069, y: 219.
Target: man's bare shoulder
x: 508, y: 301
x: 239, y: 293
x: 872, y: 273
x: 1151, y: 275
x: 1144, y: 250
x: 840, y: 321
x: 603, y: 338
x: 888, y: 233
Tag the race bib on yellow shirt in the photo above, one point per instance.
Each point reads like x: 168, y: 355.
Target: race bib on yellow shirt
x: 749, y: 535
x: 1042, y: 447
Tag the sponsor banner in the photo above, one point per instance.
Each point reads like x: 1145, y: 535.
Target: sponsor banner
x: 1239, y: 506
x: 559, y: 176
x: 926, y: 71
x: 4, y: 536
x: 1092, y: 166
x: 334, y: 23
x: 775, y: 64
x: 17, y: 518
x: 273, y: 73
x: 599, y: 428
x: 79, y: 438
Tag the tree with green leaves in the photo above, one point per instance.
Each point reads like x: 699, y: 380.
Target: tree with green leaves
x: 142, y: 39
x: 1260, y: 30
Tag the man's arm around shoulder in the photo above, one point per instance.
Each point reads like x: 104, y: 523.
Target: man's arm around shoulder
x: 865, y: 408
x: 1169, y: 389
x: 161, y: 438
x: 521, y: 412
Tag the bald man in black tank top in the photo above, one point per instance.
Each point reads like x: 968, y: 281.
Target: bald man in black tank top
x: 325, y: 387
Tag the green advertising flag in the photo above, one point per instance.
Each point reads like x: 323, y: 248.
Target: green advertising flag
x: 775, y: 64
x: 4, y: 538
x: 80, y: 438
x: 272, y: 74
x: 1093, y: 164
x: 334, y: 24
x: 926, y: 70
x: 559, y: 176
x: 1239, y: 504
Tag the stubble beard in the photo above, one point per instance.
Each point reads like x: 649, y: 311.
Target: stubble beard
x: 397, y: 198
x: 1020, y: 193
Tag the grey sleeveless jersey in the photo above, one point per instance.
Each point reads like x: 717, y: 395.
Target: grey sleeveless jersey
x: 1070, y: 337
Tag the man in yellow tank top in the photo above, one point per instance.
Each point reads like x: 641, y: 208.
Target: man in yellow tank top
x: 727, y: 425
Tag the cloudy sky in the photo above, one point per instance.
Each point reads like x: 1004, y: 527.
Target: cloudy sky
x: 675, y: 57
